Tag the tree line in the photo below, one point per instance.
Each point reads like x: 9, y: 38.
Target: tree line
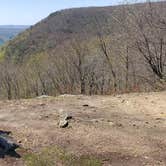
x: 132, y: 58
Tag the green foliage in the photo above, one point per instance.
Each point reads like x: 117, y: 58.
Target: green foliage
x: 36, y: 160
x: 52, y: 155
x: 2, y: 54
x: 8, y: 32
x: 55, y: 30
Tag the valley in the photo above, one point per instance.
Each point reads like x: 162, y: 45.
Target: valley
x: 8, y: 32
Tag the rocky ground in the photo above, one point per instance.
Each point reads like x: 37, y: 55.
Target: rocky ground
x: 121, y: 130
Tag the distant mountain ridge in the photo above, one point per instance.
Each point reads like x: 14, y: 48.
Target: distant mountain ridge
x: 8, y: 32
x: 94, y: 50
x: 58, y: 28
x: 63, y: 26
x: 15, y: 26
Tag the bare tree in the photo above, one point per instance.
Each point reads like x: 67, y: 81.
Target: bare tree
x: 150, y: 38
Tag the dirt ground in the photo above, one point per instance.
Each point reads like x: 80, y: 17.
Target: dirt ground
x: 121, y: 130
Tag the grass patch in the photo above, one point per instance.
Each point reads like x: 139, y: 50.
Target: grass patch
x: 53, y: 156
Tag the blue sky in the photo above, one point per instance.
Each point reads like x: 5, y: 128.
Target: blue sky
x: 28, y: 12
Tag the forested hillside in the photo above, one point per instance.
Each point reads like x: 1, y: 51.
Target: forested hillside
x: 100, y: 50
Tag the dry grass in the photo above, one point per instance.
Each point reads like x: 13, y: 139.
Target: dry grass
x: 127, y: 128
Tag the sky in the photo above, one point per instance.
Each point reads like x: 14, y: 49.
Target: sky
x: 29, y: 12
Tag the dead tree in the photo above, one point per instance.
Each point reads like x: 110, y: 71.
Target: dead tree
x: 150, y: 38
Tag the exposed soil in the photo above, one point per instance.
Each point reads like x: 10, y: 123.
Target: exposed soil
x: 121, y: 130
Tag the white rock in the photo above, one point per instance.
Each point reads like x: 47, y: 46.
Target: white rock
x: 111, y: 123
x: 63, y: 123
x: 43, y: 96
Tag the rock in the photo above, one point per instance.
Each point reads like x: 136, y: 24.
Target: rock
x: 85, y: 105
x: 119, y: 125
x: 63, y: 123
x: 146, y: 157
x: 6, y: 143
x: 42, y: 117
x: 123, y: 101
x: 102, y: 119
x: 66, y: 116
x: 43, y: 96
x: 42, y: 104
x: 19, y: 141
x: 111, y: 123
x: 158, y: 119
x: 95, y: 120
x: 67, y: 95
x: 5, y: 132
x: 61, y: 111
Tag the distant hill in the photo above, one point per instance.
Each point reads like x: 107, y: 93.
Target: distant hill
x: 8, y: 32
x: 60, y: 27
x: 94, y: 50
x: 65, y: 25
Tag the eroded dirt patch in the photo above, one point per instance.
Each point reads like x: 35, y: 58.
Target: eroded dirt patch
x: 125, y: 129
